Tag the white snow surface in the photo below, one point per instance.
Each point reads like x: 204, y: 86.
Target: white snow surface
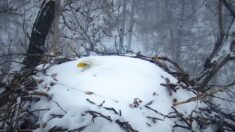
x: 118, y: 87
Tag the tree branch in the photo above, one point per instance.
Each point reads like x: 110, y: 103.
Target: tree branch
x: 229, y: 7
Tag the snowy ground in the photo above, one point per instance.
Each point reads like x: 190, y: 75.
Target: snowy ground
x: 109, y: 93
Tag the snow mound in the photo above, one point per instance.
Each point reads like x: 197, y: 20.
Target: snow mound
x: 110, y: 93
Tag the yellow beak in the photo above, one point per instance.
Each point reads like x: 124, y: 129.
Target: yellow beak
x: 82, y: 65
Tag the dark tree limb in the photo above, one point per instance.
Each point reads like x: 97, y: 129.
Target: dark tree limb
x: 97, y: 114
x: 215, y: 69
x: 229, y: 7
x: 39, y: 33
x: 126, y: 126
x: 220, y: 39
x: 211, y: 68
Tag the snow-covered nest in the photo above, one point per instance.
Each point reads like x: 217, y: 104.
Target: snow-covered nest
x: 112, y: 94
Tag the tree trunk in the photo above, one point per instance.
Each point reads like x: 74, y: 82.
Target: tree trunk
x: 39, y: 33
x: 131, y: 25
x: 122, y: 30
x: 55, y: 27
x: 211, y: 68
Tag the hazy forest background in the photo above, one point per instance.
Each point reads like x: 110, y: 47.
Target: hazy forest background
x: 192, y: 33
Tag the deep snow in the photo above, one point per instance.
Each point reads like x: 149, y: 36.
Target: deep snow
x: 121, y: 88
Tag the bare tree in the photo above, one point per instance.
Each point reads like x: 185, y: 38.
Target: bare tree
x: 55, y: 27
x: 216, y: 60
x: 123, y: 27
x: 39, y: 33
x: 131, y: 25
